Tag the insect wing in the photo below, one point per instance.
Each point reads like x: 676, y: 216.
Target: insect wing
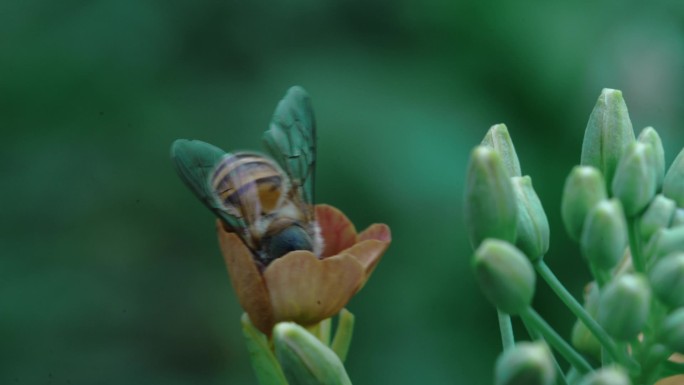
x: 291, y: 141
x: 236, y: 182
x: 194, y: 162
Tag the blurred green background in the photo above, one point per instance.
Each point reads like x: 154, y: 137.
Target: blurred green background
x: 109, y: 269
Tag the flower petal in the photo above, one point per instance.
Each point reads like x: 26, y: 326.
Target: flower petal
x: 336, y: 229
x: 379, y: 231
x: 672, y: 380
x: 368, y: 254
x: 307, y: 290
x: 247, y: 281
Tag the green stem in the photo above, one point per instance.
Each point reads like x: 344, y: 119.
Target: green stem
x: 634, y: 245
x: 600, y: 276
x: 536, y: 322
x: 506, y: 329
x: 606, y: 342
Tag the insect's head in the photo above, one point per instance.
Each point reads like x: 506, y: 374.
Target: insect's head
x: 282, y: 240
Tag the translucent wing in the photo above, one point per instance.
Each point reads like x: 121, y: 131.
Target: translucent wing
x: 195, y: 162
x: 291, y: 141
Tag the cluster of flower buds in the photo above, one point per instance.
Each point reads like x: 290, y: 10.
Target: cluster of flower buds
x: 626, y: 211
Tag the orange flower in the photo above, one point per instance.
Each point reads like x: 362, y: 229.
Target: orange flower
x: 299, y: 286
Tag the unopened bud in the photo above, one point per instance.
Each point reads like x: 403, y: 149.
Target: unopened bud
x: 610, y: 375
x: 673, y: 184
x: 526, y: 363
x: 505, y: 275
x: 584, y: 188
x: 499, y: 140
x: 490, y: 205
x: 677, y: 218
x: 672, y: 331
x: 667, y: 279
x: 657, y: 216
x: 582, y: 338
x: 604, y: 236
x: 305, y: 359
x: 634, y: 182
x: 650, y: 136
x: 624, y: 305
x: 533, y: 226
x: 609, y: 132
x: 664, y: 242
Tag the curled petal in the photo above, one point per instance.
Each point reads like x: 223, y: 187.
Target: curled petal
x: 337, y: 230
x: 368, y: 254
x: 379, y: 231
x: 246, y: 279
x: 306, y: 290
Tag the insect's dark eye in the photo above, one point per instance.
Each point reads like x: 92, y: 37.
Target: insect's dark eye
x: 289, y: 239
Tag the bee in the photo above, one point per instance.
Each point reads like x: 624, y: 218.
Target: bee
x: 267, y: 201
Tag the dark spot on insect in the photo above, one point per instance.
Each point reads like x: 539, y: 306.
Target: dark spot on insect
x: 101, y: 113
x: 137, y: 201
x: 318, y: 302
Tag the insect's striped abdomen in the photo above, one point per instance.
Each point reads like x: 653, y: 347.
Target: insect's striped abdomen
x: 243, y: 176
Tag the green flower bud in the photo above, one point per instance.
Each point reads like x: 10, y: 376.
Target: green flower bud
x: 610, y: 375
x: 624, y: 305
x: 609, y: 132
x: 604, y: 237
x: 672, y: 331
x: 505, y: 275
x: 584, y: 188
x: 634, y: 182
x: 677, y: 218
x: 526, y: 363
x: 650, y: 136
x: 667, y: 279
x: 673, y: 184
x: 490, y: 205
x: 499, y: 140
x: 657, y: 216
x: 533, y: 226
x: 305, y: 359
x: 664, y: 242
x: 582, y: 338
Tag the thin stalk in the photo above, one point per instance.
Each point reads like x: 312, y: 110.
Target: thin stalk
x: 536, y: 322
x: 506, y: 329
x: 604, y: 339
